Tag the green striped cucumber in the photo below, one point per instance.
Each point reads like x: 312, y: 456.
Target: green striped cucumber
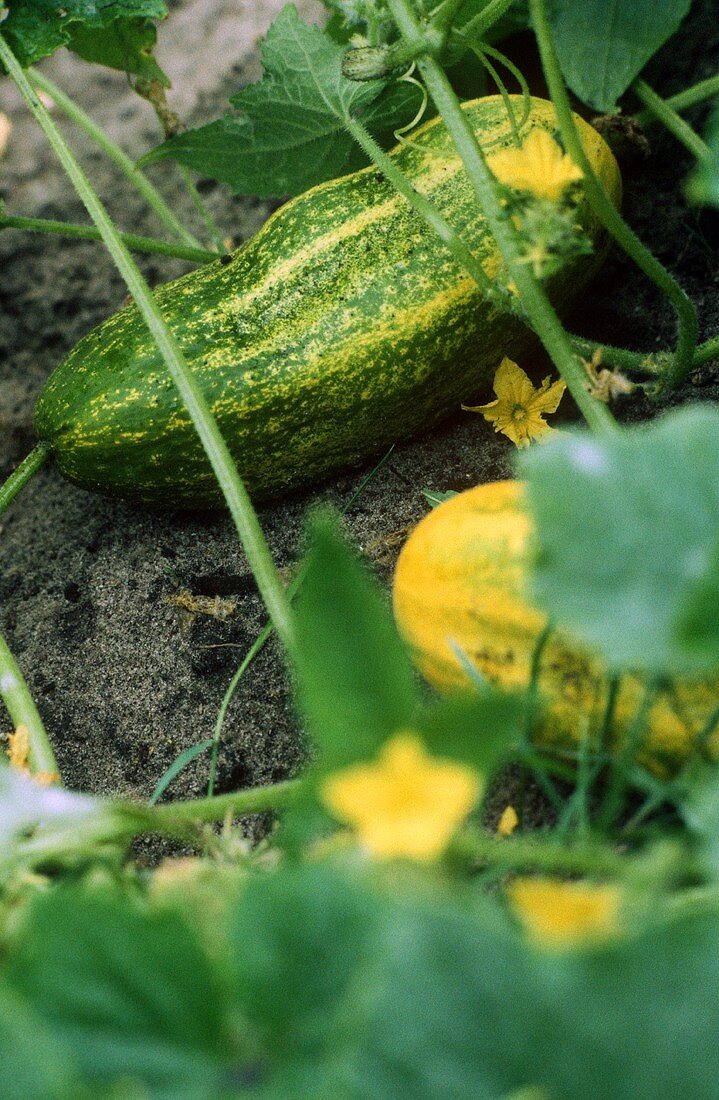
x: 342, y: 326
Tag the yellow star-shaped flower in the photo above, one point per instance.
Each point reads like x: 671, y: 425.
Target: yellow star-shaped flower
x: 558, y: 914
x: 405, y: 804
x: 519, y: 407
x: 538, y: 166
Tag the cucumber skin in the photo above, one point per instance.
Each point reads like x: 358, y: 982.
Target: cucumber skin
x: 342, y: 326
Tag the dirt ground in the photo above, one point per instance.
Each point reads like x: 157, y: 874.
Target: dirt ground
x: 125, y: 676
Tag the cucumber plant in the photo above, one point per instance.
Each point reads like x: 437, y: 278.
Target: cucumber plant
x: 371, y: 893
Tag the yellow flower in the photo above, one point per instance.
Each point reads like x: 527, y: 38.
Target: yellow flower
x: 539, y: 166
x: 508, y: 822
x: 407, y: 803
x: 518, y: 410
x: 558, y: 914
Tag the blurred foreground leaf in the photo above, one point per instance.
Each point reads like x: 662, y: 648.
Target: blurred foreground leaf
x: 439, y: 999
x: 627, y: 530
x: 126, y: 994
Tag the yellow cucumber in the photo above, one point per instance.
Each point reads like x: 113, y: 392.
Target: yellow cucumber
x: 460, y: 582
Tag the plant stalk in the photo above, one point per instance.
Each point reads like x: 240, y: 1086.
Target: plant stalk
x: 20, y: 476
x: 519, y: 853
x: 23, y: 712
x: 233, y: 489
x: 88, y: 233
x: 423, y: 207
x: 605, y: 210
x: 682, y: 101
x: 175, y: 818
x: 476, y: 28
x: 673, y: 122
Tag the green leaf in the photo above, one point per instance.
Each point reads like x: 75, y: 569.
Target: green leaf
x: 476, y: 730
x: 355, y: 683
x: 604, y: 44
x: 700, y: 813
x: 304, y: 941
x: 126, y: 994
x: 290, y: 131
x: 627, y: 540
x: 120, y: 35
x: 436, y: 997
x: 472, y: 1012
x: 29, y: 1057
x: 698, y: 621
x: 703, y: 184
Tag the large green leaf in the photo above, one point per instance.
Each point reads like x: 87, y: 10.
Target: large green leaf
x: 126, y: 994
x: 120, y: 35
x: 305, y: 947
x: 604, y: 44
x: 627, y: 534
x: 392, y: 988
x: 31, y: 1066
x: 470, y: 1011
x: 290, y: 133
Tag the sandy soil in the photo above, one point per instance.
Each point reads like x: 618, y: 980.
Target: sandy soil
x: 126, y: 678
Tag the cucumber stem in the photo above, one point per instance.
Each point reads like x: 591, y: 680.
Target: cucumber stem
x: 20, y: 476
x: 147, y: 189
x: 201, y: 208
x: 486, y: 18
x: 608, y: 215
x: 23, y: 712
x: 175, y: 818
x: 88, y: 233
x: 232, y: 486
x: 541, y: 315
x: 664, y: 113
x: 682, y: 101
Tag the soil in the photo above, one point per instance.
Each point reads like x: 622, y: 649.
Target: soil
x: 98, y: 600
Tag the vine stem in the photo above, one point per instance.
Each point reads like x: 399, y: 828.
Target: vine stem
x: 173, y: 818
x: 233, y: 489
x: 20, y: 477
x: 605, y: 210
x: 147, y: 189
x: 201, y: 208
x: 486, y: 18
x: 525, y: 853
x: 690, y: 97
x: 23, y: 712
x: 643, y: 362
x: 541, y: 315
x: 88, y: 233
x: 120, y: 822
x: 669, y: 118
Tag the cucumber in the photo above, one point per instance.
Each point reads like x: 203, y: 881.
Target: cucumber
x: 344, y: 325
